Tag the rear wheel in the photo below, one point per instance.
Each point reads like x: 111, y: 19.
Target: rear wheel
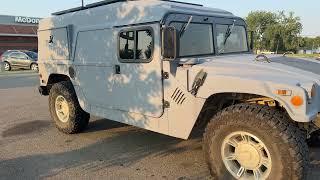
x: 248, y: 141
x: 7, y: 66
x: 65, y: 110
x: 34, y: 67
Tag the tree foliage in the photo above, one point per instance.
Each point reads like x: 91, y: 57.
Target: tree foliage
x: 309, y: 43
x: 278, y: 32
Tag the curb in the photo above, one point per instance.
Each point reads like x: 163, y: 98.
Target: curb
x: 17, y: 74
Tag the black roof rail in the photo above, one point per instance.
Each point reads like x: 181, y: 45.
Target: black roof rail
x: 106, y: 2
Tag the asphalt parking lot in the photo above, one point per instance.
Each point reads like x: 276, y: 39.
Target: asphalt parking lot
x: 32, y: 148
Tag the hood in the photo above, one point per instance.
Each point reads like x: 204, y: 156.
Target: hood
x: 280, y: 70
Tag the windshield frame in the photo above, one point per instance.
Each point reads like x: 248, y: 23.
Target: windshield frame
x: 208, y: 19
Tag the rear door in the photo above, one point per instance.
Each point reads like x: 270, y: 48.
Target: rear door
x: 13, y: 58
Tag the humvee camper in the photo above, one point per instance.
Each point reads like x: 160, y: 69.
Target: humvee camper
x: 173, y: 67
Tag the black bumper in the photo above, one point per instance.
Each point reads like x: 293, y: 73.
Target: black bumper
x: 43, y: 90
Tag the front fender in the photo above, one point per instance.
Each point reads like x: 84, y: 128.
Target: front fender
x: 225, y: 84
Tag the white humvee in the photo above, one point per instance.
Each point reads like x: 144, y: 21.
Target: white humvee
x: 173, y: 67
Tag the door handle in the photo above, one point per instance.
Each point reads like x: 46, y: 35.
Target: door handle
x: 117, y: 69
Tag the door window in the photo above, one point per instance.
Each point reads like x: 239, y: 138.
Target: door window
x: 18, y: 56
x: 126, y: 50
x: 136, y: 46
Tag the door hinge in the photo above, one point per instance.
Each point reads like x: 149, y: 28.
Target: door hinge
x: 166, y: 104
x: 165, y: 75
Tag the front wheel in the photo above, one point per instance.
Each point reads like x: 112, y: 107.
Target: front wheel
x: 248, y: 141
x: 65, y: 110
x: 7, y: 66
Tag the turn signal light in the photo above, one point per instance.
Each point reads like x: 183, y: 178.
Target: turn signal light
x: 297, y: 100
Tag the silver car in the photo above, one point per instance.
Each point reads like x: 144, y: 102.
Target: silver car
x: 19, y: 59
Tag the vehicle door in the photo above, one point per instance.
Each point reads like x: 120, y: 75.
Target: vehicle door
x: 23, y: 60
x: 120, y: 69
x: 13, y: 58
x: 138, y: 86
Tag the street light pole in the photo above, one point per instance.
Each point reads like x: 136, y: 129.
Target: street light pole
x: 82, y: 3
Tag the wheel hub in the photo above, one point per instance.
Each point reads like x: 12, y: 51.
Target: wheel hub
x: 246, y: 156
x: 6, y: 66
x: 62, y: 109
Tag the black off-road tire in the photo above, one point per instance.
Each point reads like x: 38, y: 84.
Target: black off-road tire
x: 78, y: 118
x: 285, y: 141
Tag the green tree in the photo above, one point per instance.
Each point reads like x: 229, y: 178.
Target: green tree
x: 259, y: 22
x: 278, y: 32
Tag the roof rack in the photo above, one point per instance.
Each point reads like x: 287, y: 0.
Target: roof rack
x: 107, y: 2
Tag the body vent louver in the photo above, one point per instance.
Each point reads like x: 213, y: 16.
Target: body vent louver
x: 178, y: 96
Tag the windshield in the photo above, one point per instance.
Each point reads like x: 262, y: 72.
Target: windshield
x: 195, y: 39
x: 231, y: 39
x: 33, y: 55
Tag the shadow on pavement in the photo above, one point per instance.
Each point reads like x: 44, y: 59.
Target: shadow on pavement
x: 25, y: 128
x: 135, y: 144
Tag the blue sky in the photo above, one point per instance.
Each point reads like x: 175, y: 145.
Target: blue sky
x: 308, y: 10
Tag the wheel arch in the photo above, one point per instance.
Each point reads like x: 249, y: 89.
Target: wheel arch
x: 217, y: 102
x: 5, y: 61
x: 55, y: 78
x: 44, y: 89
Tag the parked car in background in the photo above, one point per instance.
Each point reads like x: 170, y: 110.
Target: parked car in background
x: 19, y: 59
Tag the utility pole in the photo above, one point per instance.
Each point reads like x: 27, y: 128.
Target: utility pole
x: 82, y: 5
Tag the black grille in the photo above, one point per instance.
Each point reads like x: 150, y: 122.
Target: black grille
x: 178, y: 96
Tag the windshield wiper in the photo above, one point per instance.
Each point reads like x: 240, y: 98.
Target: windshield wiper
x: 227, y: 35
x: 185, y: 26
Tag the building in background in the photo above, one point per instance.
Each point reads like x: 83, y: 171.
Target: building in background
x: 309, y: 51
x: 18, y: 33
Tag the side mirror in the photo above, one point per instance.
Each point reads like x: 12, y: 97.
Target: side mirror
x: 251, y: 38
x: 169, y: 43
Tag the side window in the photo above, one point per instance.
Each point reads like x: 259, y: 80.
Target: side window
x: 144, y: 45
x: 14, y: 55
x: 126, y: 45
x: 136, y: 46
x: 20, y: 56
